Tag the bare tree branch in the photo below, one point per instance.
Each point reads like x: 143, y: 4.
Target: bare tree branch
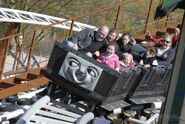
x: 67, y: 3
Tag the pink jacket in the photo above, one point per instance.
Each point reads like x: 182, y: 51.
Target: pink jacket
x: 112, y: 61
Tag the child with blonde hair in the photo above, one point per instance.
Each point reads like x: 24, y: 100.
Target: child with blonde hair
x: 128, y: 61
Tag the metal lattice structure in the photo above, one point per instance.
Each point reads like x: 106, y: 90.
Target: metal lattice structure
x: 18, y: 16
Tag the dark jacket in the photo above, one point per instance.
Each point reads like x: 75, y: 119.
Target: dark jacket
x: 132, y: 47
x: 86, y: 40
x: 149, y: 60
x: 166, y: 58
x: 122, y: 48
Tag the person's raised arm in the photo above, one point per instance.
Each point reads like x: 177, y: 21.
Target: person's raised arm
x: 79, y: 37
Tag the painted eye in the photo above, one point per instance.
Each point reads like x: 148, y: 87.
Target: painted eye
x: 73, y: 62
x: 92, y: 71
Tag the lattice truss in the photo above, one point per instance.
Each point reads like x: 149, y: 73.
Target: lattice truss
x: 18, y: 16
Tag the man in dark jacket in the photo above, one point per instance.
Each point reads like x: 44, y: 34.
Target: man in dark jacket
x: 89, y: 40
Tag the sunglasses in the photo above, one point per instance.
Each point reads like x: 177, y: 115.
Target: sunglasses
x: 167, y: 41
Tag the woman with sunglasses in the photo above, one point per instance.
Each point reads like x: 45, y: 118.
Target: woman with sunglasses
x: 165, y: 53
x: 159, y: 42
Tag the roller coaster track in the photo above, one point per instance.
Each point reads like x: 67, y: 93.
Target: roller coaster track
x: 22, y: 82
x: 18, y: 16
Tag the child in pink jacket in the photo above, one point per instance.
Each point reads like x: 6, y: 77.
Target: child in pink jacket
x: 109, y: 57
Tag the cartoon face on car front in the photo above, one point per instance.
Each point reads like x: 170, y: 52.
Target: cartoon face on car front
x: 80, y: 71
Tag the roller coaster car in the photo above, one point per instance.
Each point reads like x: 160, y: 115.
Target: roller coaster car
x: 96, y: 82
x: 84, y: 76
x: 153, y: 85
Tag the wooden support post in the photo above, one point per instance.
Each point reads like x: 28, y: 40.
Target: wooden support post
x: 148, y: 16
x: 117, y: 17
x: 71, y: 28
x: 31, y: 51
x: 4, y: 46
